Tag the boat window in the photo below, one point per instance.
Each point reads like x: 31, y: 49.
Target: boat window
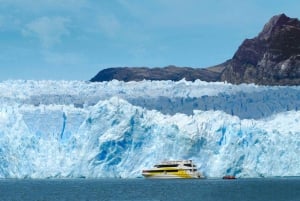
x: 189, y: 165
x: 168, y: 165
x: 153, y: 171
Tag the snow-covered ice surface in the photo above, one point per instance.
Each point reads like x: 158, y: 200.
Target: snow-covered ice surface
x: 115, y: 129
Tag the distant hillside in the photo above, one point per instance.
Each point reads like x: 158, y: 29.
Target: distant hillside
x: 271, y: 58
x: 167, y: 73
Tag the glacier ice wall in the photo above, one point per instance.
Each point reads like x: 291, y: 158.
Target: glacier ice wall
x: 115, y: 129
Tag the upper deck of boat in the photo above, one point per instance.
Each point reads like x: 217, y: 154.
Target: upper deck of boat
x: 175, y: 163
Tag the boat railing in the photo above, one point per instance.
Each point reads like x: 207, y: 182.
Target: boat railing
x: 177, y: 162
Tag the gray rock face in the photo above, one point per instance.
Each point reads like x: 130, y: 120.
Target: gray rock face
x: 271, y: 58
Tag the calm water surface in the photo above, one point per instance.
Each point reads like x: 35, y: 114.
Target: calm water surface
x: 277, y: 189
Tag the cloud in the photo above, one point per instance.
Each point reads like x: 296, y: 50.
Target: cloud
x: 34, y: 5
x: 109, y: 25
x: 9, y: 23
x: 189, y: 13
x: 49, y: 30
x: 63, y: 58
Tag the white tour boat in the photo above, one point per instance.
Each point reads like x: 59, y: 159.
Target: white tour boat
x: 173, y: 169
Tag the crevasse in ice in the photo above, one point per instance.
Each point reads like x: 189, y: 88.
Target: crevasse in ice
x: 58, y: 129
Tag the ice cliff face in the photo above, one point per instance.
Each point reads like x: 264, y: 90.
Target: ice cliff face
x: 116, y: 129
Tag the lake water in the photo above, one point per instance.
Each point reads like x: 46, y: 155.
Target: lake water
x: 271, y: 189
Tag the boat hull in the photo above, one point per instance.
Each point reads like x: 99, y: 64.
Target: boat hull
x: 167, y: 175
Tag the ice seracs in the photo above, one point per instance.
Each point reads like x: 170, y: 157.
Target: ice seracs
x: 77, y: 129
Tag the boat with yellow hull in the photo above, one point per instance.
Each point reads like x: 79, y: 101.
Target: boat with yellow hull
x: 179, y: 169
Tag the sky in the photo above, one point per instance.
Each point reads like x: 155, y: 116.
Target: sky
x: 75, y: 39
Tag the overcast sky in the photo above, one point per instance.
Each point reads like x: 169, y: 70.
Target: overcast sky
x: 75, y: 39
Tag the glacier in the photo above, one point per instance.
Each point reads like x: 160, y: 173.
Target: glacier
x: 75, y: 129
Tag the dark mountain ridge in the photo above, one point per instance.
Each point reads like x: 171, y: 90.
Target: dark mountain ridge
x: 271, y: 58
x: 167, y: 73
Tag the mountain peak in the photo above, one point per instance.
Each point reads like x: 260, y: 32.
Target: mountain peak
x: 279, y: 19
x: 271, y: 58
x: 275, y: 23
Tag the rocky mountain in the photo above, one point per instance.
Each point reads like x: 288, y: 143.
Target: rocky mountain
x: 271, y: 58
